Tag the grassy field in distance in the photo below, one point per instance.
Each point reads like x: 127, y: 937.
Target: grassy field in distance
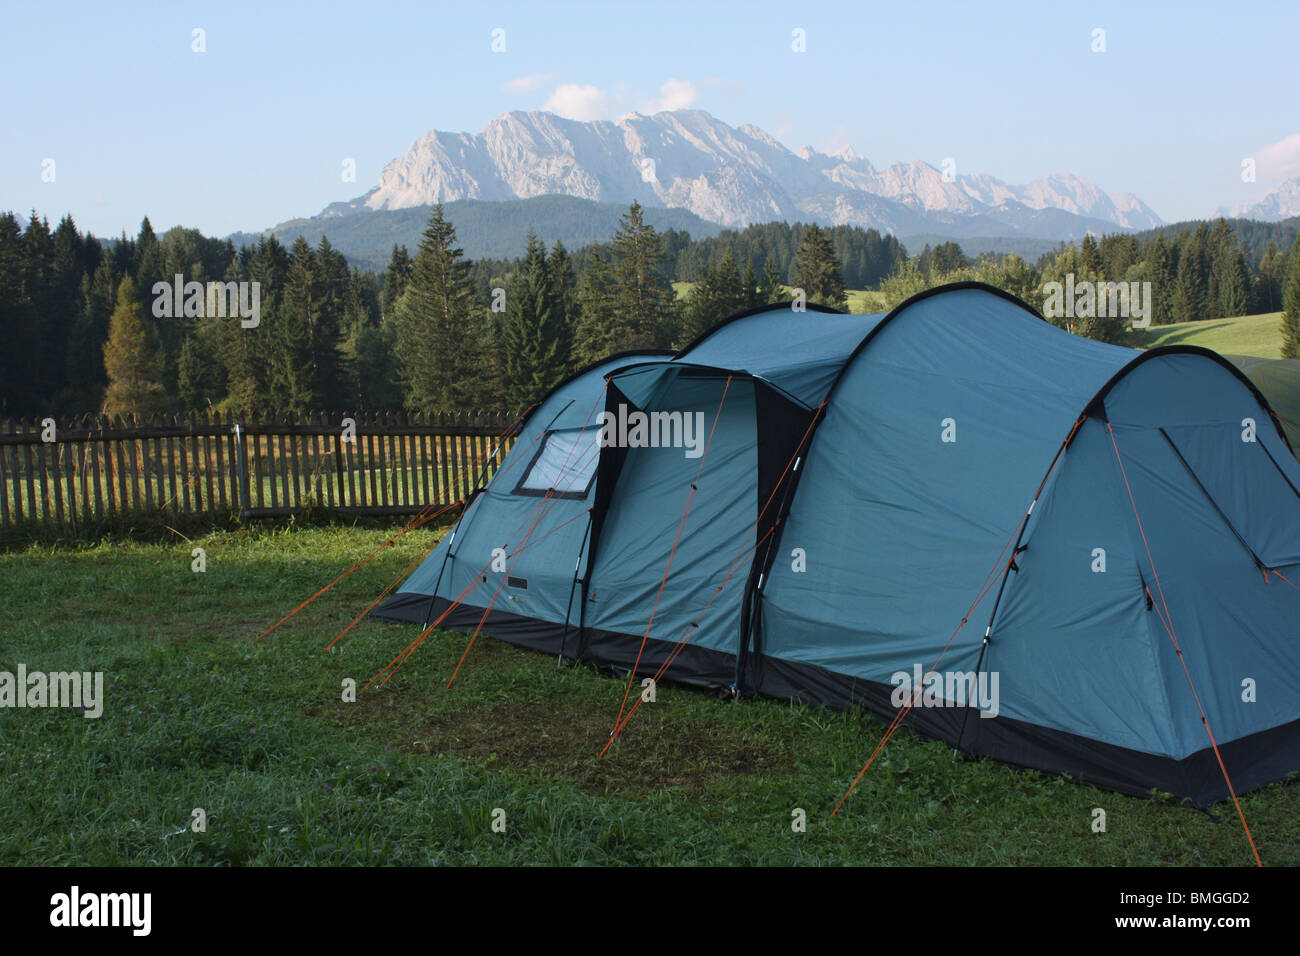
x: 1259, y: 335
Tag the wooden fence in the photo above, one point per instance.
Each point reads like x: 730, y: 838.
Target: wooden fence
x: 87, y: 472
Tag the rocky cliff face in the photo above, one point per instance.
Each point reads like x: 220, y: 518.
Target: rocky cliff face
x: 734, y: 176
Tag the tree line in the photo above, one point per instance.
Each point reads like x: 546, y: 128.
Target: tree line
x: 1205, y: 272
x: 90, y: 325
x: 128, y: 326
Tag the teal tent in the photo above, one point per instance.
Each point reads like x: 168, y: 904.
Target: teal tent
x: 1058, y: 553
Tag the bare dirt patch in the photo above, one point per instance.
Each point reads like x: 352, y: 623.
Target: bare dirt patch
x: 657, y: 750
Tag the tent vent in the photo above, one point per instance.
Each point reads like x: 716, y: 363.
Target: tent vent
x: 515, y: 582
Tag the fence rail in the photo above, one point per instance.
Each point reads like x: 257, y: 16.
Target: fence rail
x: 85, y: 472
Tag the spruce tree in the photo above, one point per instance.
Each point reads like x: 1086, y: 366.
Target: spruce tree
x: 644, y: 297
x: 40, y: 285
x: 1161, y: 274
x: 85, y: 358
x: 131, y: 360
x: 751, y: 288
x: 564, y: 292
x: 719, y: 293
x: 17, y: 328
x: 395, y: 279
x: 947, y: 258
x: 442, y: 333
x: 333, y: 286
x: 533, y: 338
x: 771, y: 288
x: 1231, y: 281
x: 817, y: 270
x: 1089, y: 259
x: 292, y: 360
x: 248, y: 354
x: 1266, y: 291
x: 1291, y: 305
x: 597, y: 333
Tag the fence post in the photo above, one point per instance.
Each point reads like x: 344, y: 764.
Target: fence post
x: 245, y: 507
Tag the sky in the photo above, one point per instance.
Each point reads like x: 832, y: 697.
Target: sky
x: 113, y: 114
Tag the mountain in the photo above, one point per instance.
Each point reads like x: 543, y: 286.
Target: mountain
x: 1281, y: 203
x: 733, y: 176
x: 689, y: 161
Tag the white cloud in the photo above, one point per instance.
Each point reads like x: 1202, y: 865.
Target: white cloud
x: 530, y: 83
x: 1281, y: 160
x: 674, y: 94
x: 580, y: 102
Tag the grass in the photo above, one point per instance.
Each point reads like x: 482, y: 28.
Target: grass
x: 199, y: 716
x: 1259, y: 335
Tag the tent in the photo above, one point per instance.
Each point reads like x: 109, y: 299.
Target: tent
x: 1058, y: 553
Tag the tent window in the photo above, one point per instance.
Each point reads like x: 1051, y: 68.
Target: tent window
x: 565, y: 465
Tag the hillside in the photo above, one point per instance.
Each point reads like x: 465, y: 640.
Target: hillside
x: 485, y: 230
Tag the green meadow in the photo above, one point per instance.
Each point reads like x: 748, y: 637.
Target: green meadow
x: 199, y: 715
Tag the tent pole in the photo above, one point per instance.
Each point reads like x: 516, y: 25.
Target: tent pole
x: 568, y: 609
x: 1016, y: 549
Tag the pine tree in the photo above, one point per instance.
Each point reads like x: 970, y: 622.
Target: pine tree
x: 395, y: 279
x: 533, y: 337
x: 719, y: 293
x: 85, y: 358
x: 771, y: 288
x: 291, y: 357
x: 442, y: 333
x: 196, y: 385
x: 947, y: 258
x: 751, y: 288
x: 1089, y: 259
x: 40, y: 285
x: 1188, y: 303
x: 817, y: 270
x: 1231, y: 281
x: 1266, y: 291
x: 644, y: 297
x: 597, y: 333
x: 564, y: 292
x: 1160, y: 273
x: 17, y: 325
x: 333, y: 283
x: 131, y: 360
x: 65, y: 306
x: 1291, y: 306
x: 247, y: 355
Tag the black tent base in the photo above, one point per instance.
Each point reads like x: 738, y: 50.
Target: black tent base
x: 1252, y: 762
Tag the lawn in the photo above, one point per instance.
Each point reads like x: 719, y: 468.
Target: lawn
x: 1259, y: 335
x: 197, y: 715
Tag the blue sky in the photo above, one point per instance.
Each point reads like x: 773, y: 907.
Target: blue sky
x: 255, y: 130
